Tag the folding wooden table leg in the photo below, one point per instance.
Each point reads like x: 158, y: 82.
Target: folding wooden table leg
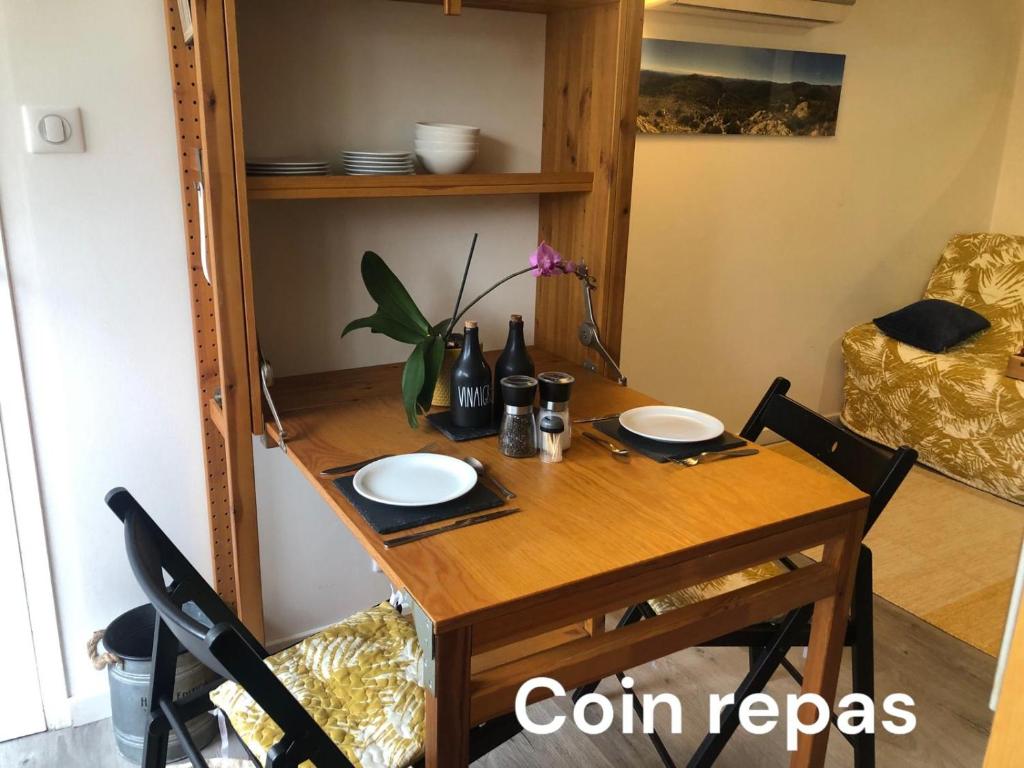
x: 447, y: 708
x: 828, y: 632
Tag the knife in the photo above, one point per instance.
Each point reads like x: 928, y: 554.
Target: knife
x: 360, y: 464
x: 591, y: 419
x: 463, y: 523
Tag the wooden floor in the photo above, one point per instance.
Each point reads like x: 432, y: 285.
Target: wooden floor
x: 949, y: 680
x: 945, y: 552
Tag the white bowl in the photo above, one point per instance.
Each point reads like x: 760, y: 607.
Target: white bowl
x: 446, y: 131
x: 447, y: 146
x: 446, y: 161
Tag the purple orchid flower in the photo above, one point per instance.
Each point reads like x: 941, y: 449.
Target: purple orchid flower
x: 547, y: 262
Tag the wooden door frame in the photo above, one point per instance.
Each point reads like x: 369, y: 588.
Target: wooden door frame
x: 23, y: 478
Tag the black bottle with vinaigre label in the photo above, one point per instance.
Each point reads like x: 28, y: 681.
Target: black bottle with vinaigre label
x: 471, y: 383
x: 514, y: 360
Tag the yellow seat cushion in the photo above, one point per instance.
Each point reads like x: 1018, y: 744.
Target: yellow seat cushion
x: 704, y: 590
x: 359, y: 679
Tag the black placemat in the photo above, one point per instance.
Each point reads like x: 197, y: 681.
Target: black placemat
x: 442, y: 420
x: 659, y: 451
x: 386, y: 518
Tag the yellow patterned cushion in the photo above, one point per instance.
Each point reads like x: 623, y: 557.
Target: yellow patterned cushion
x: 958, y: 409
x: 359, y: 681
x: 704, y: 590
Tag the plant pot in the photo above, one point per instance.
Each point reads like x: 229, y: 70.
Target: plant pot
x: 443, y: 387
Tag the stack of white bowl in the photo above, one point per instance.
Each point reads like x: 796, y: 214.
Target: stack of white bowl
x: 445, y: 147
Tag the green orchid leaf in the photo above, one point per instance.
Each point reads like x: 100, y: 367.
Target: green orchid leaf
x: 389, y: 293
x: 433, y: 358
x: 387, y: 325
x: 441, y: 327
x: 412, y: 381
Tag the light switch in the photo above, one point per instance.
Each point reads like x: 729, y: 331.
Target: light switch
x: 53, y: 129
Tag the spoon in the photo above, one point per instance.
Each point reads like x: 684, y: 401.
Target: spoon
x: 481, y: 470
x: 610, y: 446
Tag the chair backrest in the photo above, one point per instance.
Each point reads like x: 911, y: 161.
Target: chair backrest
x: 876, y: 470
x: 223, y: 644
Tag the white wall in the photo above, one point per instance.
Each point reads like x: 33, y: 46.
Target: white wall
x: 1008, y: 214
x: 95, y: 249
x: 750, y: 256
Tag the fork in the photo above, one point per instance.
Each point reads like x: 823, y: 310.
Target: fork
x: 706, y: 456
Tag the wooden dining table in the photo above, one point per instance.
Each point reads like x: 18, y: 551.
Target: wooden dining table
x: 499, y: 603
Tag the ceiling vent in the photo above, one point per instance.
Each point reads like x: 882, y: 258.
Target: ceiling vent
x: 802, y: 13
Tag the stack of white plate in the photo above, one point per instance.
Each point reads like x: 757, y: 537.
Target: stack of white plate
x: 287, y: 168
x: 377, y: 163
x: 446, y: 147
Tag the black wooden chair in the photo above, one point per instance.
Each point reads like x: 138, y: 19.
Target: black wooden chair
x: 877, y: 471
x: 224, y: 645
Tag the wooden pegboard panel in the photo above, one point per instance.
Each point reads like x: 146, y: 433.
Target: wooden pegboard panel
x: 186, y: 113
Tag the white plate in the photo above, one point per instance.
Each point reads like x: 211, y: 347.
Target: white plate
x: 670, y: 424
x: 415, y: 480
x: 324, y: 172
x: 353, y: 163
x: 287, y: 167
x: 377, y: 155
x: 376, y: 164
x: 311, y: 169
x: 285, y: 162
x: 358, y: 159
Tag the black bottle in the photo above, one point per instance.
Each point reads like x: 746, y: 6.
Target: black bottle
x: 471, y: 383
x: 514, y: 360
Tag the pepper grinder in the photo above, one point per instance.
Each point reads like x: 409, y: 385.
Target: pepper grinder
x: 555, y: 388
x: 517, y: 436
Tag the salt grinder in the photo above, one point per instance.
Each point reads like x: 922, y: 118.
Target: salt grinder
x: 555, y: 388
x: 551, y: 430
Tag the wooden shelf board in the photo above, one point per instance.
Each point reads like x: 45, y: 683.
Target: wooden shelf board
x: 425, y: 185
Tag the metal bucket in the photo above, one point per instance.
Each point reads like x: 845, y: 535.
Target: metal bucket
x: 130, y: 638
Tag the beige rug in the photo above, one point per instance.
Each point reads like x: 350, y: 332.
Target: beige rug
x: 946, y: 553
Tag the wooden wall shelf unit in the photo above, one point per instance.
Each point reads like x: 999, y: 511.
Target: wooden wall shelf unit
x: 591, y: 74
x: 424, y: 185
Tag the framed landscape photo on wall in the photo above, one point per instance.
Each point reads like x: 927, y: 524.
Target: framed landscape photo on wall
x: 727, y: 89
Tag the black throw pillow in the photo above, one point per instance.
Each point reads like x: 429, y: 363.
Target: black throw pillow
x: 932, y: 324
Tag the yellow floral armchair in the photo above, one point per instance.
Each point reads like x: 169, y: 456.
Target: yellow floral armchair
x: 959, y: 410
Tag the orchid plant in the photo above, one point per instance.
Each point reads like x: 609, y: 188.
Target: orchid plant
x: 399, y: 318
